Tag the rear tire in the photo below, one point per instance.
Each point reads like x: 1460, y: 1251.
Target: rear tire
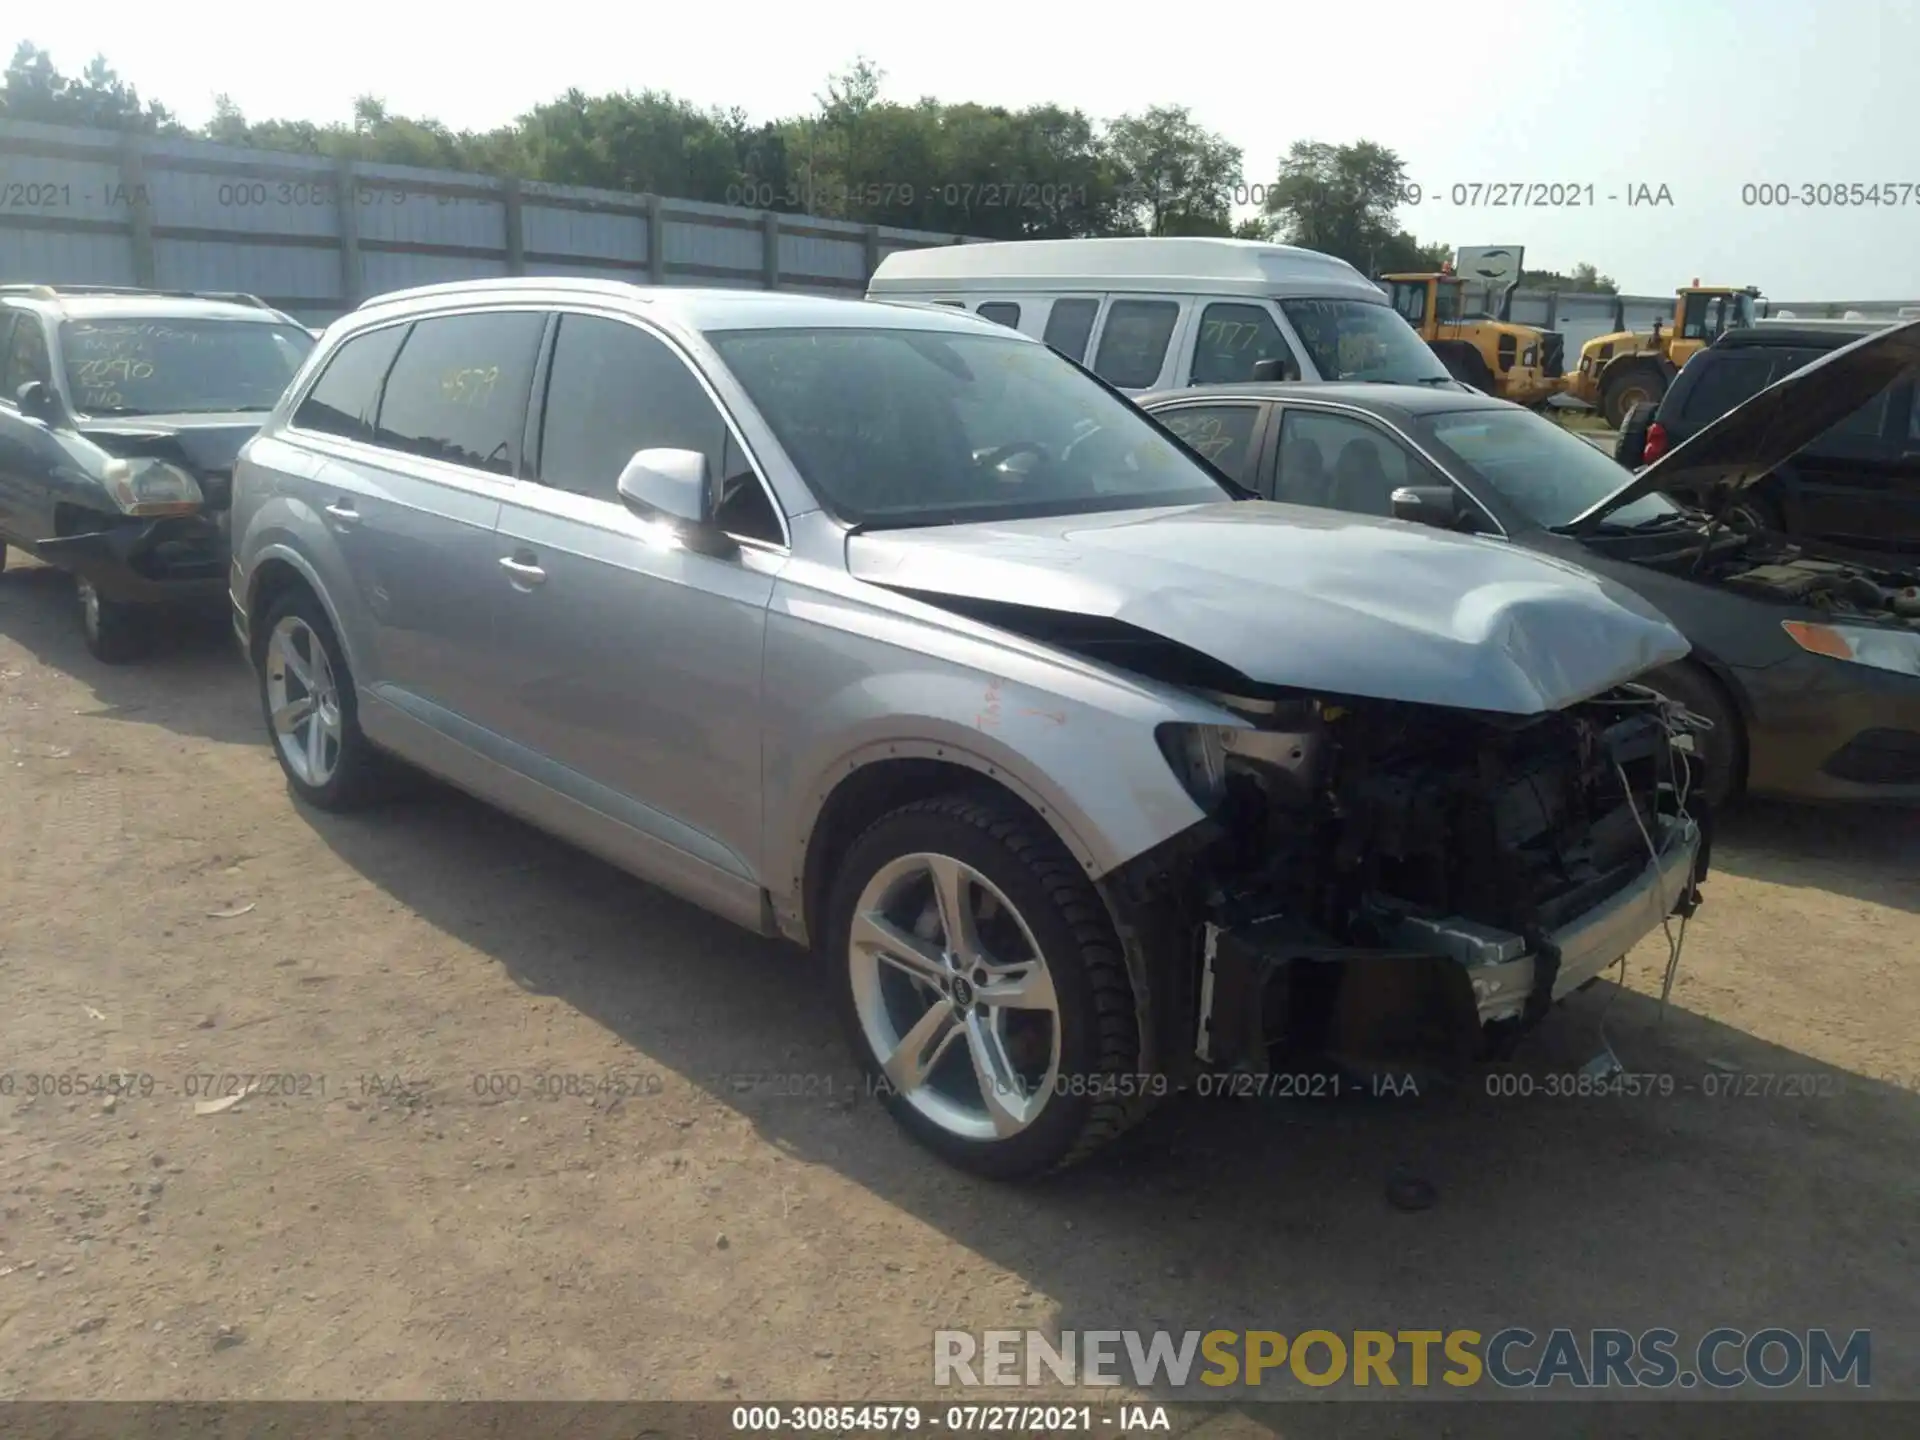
x: 1720, y: 753
x: 116, y: 633
x: 1631, y: 448
x: 304, y: 679
x: 903, y: 989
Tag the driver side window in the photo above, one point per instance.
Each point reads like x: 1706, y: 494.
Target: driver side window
x: 26, y: 357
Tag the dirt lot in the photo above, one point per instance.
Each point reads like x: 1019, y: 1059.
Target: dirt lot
x: 418, y: 1230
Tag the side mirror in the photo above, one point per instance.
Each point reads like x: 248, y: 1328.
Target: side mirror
x: 1437, y: 505
x: 38, y: 401
x: 1265, y: 371
x: 675, y: 486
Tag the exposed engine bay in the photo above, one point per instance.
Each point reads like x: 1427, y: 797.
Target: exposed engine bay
x: 1768, y: 568
x: 1387, y: 879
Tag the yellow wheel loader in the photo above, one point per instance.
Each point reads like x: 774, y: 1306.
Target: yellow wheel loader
x: 1626, y: 368
x: 1515, y: 362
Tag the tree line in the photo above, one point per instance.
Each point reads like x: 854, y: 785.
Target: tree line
x: 1036, y: 173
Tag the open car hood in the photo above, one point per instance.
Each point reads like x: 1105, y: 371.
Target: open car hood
x: 1755, y: 437
x: 1214, y: 596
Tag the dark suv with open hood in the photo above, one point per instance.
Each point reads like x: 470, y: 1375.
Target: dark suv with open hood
x: 121, y: 412
x: 1856, y: 484
x: 1806, y: 656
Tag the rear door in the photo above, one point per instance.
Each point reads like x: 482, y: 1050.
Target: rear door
x: 410, y: 492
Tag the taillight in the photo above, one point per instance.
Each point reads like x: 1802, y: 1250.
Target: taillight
x: 1656, y: 445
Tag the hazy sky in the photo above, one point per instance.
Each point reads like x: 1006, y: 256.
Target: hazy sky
x: 1700, y: 96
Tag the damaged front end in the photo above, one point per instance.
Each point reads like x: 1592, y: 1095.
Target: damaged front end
x: 1409, y: 885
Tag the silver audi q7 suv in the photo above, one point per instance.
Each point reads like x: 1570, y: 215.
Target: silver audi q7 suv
x: 887, y: 630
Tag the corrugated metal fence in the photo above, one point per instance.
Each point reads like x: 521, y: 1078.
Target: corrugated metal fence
x: 315, y: 237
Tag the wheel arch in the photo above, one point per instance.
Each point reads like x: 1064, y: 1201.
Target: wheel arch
x: 276, y: 570
x: 883, y: 777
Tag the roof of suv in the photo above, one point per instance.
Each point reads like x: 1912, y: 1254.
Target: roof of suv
x: 1824, y: 337
x: 696, y: 307
x: 105, y: 302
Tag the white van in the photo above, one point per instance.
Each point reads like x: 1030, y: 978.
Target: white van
x: 1153, y: 314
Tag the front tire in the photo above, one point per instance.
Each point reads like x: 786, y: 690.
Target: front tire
x: 1721, y: 751
x: 116, y: 633
x: 983, y: 989
x: 307, y: 697
x: 1637, y: 385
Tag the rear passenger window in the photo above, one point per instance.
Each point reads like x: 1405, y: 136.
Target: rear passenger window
x: 1069, y: 324
x: 343, y: 400
x: 1001, y: 312
x: 612, y: 390
x: 458, y: 391
x: 1861, y: 431
x: 1219, y: 432
x: 1725, y: 384
x: 1134, y: 342
x: 1233, y: 339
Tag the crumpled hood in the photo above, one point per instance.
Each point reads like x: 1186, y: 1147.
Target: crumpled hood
x: 1757, y: 436
x: 1311, y: 599
x: 207, y: 443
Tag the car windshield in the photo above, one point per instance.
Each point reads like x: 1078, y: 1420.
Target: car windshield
x: 1355, y: 340
x: 894, y: 428
x: 132, y: 366
x: 1547, y: 474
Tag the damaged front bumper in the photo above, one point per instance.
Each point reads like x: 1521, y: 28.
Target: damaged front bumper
x: 1441, y: 988
x: 1506, y: 972
x: 171, y: 560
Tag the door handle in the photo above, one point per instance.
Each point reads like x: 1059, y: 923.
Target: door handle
x: 343, y: 512
x: 522, y: 572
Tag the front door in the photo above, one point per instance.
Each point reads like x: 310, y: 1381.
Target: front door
x: 629, y: 666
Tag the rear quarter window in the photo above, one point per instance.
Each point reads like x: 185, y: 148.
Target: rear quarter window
x: 1724, y: 383
x: 343, y: 399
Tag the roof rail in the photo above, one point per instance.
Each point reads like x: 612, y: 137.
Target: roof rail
x: 54, y: 292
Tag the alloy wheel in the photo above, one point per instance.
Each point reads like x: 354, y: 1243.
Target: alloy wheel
x: 954, y: 997
x: 303, y: 701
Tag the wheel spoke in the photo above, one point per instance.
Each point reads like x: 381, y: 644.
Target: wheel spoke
x: 316, y: 749
x: 296, y: 666
x: 953, y: 893
x: 920, y: 1048
x: 289, y: 717
x: 879, y: 936
x: 1020, y: 987
x: 1001, y: 1089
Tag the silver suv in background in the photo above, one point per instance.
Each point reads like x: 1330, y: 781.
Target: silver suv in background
x: 890, y: 631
